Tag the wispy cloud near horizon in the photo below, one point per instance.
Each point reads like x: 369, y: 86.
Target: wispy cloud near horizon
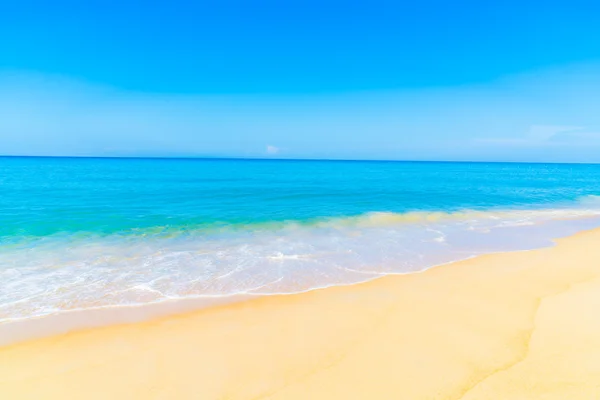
x: 272, y: 149
x: 48, y: 115
x: 548, y: 135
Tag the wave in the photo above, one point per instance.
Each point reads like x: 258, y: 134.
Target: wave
x: 62, y: 273
x: 589, y: 200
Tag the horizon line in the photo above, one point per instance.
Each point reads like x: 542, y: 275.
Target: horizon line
x: 295, y: 159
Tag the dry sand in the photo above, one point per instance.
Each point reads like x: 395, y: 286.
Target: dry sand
x: 506, y: 326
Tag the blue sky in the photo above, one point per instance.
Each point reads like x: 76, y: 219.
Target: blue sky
x: 513, y: 81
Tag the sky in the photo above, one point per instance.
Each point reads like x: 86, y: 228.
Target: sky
x: 399, y: 80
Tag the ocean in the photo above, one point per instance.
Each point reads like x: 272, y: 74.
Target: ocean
x: 90, y: 233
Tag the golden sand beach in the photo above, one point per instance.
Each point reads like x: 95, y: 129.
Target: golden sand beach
x: 520, y: 325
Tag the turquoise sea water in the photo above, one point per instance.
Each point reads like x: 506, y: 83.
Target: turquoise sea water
x: 87, y: 233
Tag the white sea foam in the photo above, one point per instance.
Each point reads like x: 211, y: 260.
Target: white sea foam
x: 60, y: 275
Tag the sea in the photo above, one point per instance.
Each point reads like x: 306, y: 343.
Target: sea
x: 80, y: 234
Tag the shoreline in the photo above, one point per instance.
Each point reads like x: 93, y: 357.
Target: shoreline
x: 505, y: 325
x: 56, y: 314
x: 19, y: 330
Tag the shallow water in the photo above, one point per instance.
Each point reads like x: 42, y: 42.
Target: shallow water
x: 79, y: 234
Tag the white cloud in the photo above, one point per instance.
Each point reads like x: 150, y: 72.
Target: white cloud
x: 542, y: 133
x: 272, y: 149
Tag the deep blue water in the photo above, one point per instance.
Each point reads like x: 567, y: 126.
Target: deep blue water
x: 43, y: 196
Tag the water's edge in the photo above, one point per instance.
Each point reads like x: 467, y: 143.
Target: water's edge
x: 25, y: 329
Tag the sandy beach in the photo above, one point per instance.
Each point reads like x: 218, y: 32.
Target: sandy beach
x: 520, y: 325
